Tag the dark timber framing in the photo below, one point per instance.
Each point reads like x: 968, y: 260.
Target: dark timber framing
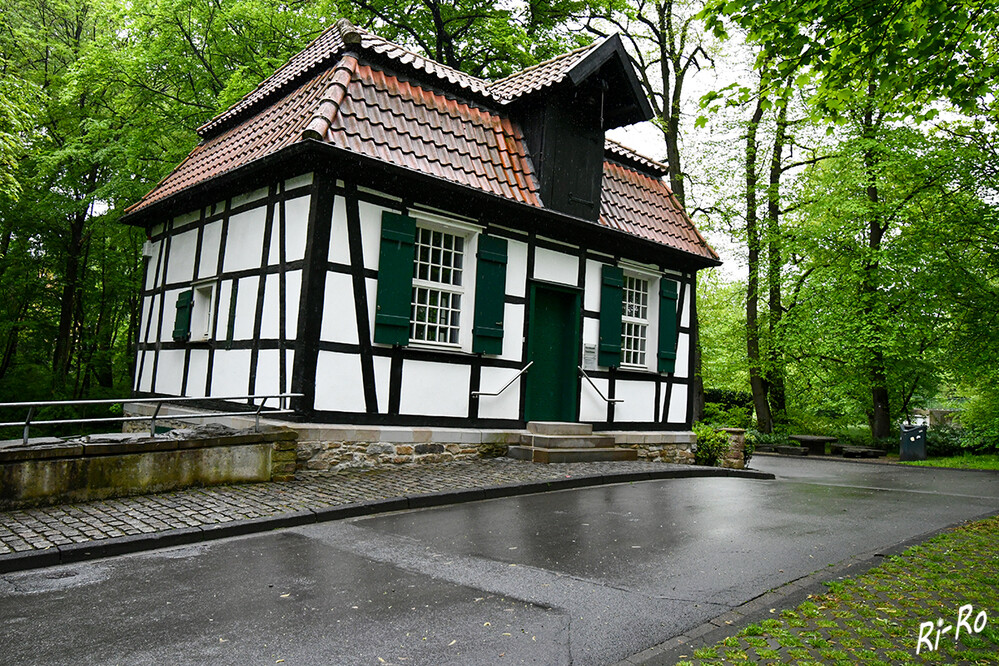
x: 534, y: 228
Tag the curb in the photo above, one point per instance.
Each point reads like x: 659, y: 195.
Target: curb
x: 789, y: 595
x: 88, y: 550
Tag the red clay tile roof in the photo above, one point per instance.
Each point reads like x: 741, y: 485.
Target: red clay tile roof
x: 373, y: 113
x: 642, y: 205
x: 542, y: 75
x: 358, y: 106
x: 626, y: 155
x: 321, y: 53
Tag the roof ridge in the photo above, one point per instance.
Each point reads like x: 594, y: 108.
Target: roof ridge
x: 533, y: 68
x: 621, y: 150
x: 329, y: 104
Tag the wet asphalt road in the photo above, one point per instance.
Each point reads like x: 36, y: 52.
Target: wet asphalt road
x: 587, y: 576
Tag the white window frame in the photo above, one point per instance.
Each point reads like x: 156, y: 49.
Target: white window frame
x: 630, y: 320
x: 203, y: 311
x: 466, y: 291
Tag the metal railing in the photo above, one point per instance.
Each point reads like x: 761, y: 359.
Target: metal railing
x: 599, y: 392
x: 476, y: 394
x: 159, y: 402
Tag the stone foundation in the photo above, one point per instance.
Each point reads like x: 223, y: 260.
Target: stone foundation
x: 330, y: 449
x: 668, y: 447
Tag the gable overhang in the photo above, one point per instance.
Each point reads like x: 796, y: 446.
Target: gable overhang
x: 629, y: 103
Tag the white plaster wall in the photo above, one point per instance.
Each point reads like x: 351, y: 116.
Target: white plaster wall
x: 152, y: 266
x: 186, y: 218
x: 267, y: 380
x: 682, y: 356
x: 298, y: 181
x: 339, y: 246
x: 248, y: 197
x: 516, y: 268
x: 434, y: 389
x: 296, y: 227
x: 289, y: 363
x: 244, y: 242
x: 293, y: 294
x: 371, y: 230
x: 339, y: 317
x: 505, y: 405
x: 639, y: 401
x: 339, y: 385
x: 169, y: 372
x: 678, y: 404
x: 231, y: 372
x: 144, y: 382
x: 222, y: 315
x: 685, y: 314
x: 371, y: 290
x: 558, y: 267
x: 591, y: 290
x: 270, y: 316
x: 246, y: 309
x: 383, y: 373
x: 180, y: 267
x: 210, y: 249
x: 149, y: 304
x: 513, y: 332
x: 197, y: 373
x: 591, y: 407
x: 591, y: 333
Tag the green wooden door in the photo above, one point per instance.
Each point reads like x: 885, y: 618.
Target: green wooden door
x: 553, y: 345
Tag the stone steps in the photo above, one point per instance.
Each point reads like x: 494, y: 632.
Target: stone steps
x: 551, y: 442
x: 566, y: 455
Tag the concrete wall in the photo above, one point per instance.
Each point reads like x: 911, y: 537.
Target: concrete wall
x: 55, y: 471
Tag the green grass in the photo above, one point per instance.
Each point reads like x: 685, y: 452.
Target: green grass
x: 966, y: 461
x: 874, y: 618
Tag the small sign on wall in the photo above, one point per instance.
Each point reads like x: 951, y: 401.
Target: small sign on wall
x: 589, y: 357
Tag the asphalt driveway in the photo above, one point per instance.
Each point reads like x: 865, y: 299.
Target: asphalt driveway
x: 585, y: 576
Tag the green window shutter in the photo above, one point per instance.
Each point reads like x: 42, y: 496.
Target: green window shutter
x: 490, y: 292
x: 182, y: 322
x: 612, y: 283
x: 667, y: 325
x: 395, y: 279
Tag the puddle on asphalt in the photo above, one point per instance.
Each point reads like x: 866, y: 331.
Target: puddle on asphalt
x: 58, y: 578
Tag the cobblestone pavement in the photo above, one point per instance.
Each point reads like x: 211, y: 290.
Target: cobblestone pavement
x: 45, y: 527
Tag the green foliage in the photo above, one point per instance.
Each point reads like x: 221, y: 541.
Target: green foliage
x: 944, y: 440
x: 776, y: 438
x: 711, y: 444
x: 729, y: 399
x: 980, y: 421
x: 716, y: 414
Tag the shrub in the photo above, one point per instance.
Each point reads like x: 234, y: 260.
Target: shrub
x: 730, y: 399
x: 711, y: 444
x: 718, y: 415
x: 776, y: 438
x: 944, y: 440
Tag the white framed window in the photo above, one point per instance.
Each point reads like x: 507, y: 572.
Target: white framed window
x: 634, y: 321
x: 203, y: 311
x: 440, y: 278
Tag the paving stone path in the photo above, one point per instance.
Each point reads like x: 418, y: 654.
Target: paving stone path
x: 65, y: 524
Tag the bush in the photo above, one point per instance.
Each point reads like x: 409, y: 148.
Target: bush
x: 944, y: 440
x: 711, y: 444
x: 720, y: 416
x: 729, y: 399
x: 776, y: 438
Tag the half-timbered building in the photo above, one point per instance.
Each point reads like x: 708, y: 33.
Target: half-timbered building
x: 397, y: 240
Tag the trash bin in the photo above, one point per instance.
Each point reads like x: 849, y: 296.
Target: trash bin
x: 912, y: 444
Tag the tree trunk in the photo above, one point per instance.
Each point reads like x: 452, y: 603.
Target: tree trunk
x: 880, y: 420
x: 757, y: 382
x: 775, y: 375
x: 63, y: 355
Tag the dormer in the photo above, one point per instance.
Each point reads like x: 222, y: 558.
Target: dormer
x: 565, y: 106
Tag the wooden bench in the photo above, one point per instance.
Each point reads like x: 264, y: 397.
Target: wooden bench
x: 816, y: 444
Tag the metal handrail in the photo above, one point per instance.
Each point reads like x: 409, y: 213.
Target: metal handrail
x: 599, y: 392
x: 159, y: 402
x: 476, y: 394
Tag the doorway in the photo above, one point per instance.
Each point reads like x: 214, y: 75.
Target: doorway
x: 553, y: 344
